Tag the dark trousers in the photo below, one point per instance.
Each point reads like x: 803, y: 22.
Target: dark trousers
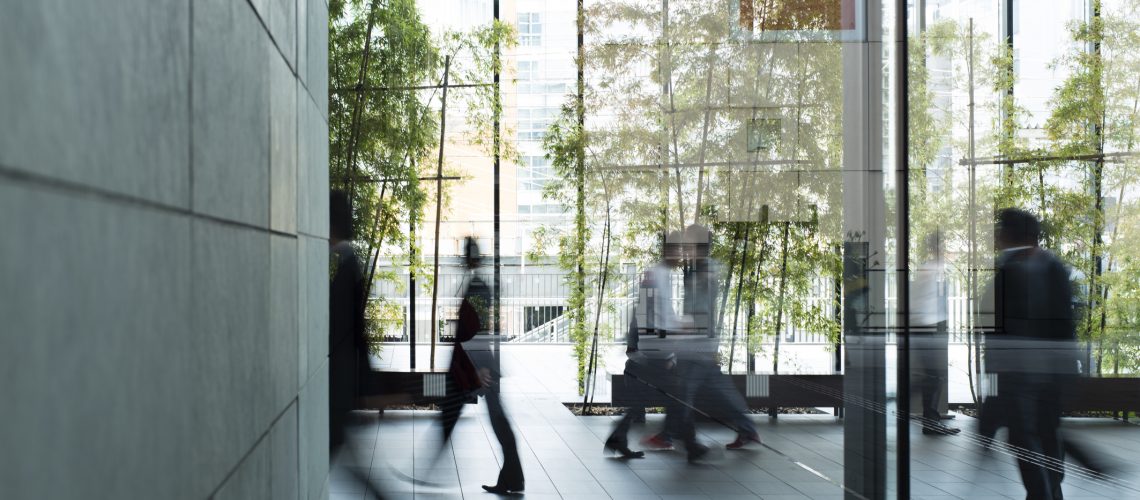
x: 511, y: 475
x: 1034, y: 418
x: 656, y: 382
x: 711, y: 391
x: 929, y: 350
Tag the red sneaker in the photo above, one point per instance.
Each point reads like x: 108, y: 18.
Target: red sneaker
x: 657, y: 442
x: 743, y: 440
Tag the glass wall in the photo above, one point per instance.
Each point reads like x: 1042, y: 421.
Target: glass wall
x: 847, y: 160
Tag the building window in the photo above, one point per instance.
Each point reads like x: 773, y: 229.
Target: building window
x: 528, y: 70
x: 542, y: 209
x: 533, y: 123
x: 535, y: 173
x: 530, y: 29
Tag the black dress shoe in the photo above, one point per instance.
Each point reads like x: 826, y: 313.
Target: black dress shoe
x: 503, y: 490
x: 697, y: 452
x: 940, y: 430
x: 623, y: 450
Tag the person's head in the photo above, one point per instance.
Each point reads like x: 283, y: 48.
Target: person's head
x: 698, y: 241
x: 471, y: 257
x: 673, y: 246
x: 1016, y: 228
x: 340, y: 217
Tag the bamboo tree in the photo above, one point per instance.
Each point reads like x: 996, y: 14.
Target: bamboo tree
x: 438, y: 205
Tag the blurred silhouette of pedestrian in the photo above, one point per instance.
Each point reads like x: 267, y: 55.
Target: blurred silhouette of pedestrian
x: 473, y: 371
x: 706, y: 386
x: 654, y: 358
x: 649, y: 364
x: 1031, y: 349
x: 348, y: 348
x: 929, y: 342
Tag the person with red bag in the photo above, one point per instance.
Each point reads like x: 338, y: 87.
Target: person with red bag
x: 472, y: 373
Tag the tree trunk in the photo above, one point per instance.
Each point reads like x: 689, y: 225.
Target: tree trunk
x: 591, y: 378
x: 780, y: 303
x: 739, y: 289
x: 438, y: 209
x: 704, y: 137
x: 358, y: 107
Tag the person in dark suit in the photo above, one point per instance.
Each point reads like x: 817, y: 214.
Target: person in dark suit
x: 1031, y: 348
x: 348, y: 348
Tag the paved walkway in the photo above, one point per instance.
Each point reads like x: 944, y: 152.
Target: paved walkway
x: 562, y: 457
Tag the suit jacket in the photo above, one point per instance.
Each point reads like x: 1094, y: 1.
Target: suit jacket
x: 1033, y: 328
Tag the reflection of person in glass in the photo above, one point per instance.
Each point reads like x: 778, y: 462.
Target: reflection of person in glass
x: 1031, y: 349
x: 928, y: 321
x: 473, y: 371
x: 650, y: 363
x: 706, y: 386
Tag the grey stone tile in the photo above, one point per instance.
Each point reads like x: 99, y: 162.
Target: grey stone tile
x: 302, y: 33
x: 765, y: 488
x: 578, y: 487
x: 233, y: 404
x: 269, y: 471
x: 312, y: 169
x: 316, y: 71
x: 312, y: 313
x: 230, y: 114
x: 282, y: 21
x: 283, y: 349
x: 282, y: 146
x: 716, y: 489
x: 620, y: 489
x: 284, y: 453
x: 95, y: 307
x: 77, y: 115
x: 313, y: 426
x: 261, y: 9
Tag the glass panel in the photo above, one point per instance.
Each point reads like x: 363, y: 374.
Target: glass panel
x: 738, y: 199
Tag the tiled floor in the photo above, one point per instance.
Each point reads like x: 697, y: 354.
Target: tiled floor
x: 562, y: 458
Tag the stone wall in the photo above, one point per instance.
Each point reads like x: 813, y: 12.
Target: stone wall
x: 163, y: 249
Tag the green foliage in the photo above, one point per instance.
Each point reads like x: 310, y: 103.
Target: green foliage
x: 377, y: 137
x: 384, y: 317
x: 679, y: 120
x: 383, y: 130
x: 564, y: 144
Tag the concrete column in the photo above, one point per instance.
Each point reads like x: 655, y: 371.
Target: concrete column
x: 164, y: 253
x: 864, y: 228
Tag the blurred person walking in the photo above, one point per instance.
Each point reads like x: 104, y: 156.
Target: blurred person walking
x: 1031, y: 349
x: 929, y: 340
x: 649, y: 364
x: 473, y: 372
x: 348, y: 348
x: 698, y: 351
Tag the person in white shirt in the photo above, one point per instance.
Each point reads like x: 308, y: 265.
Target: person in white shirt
x: 928, y: 332
x: 650, y: 352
